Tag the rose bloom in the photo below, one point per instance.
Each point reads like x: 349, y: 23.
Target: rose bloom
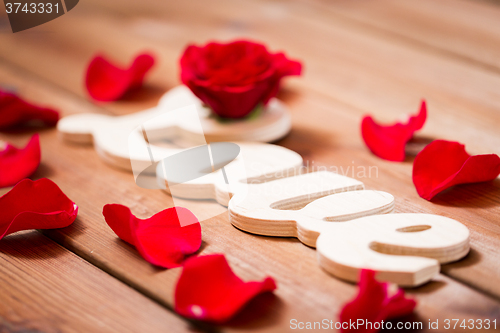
x: 234, y: 78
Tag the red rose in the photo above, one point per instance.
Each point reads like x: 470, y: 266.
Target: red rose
x: 234, y: 78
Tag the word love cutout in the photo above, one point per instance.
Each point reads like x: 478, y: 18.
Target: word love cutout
x: 348, y: 225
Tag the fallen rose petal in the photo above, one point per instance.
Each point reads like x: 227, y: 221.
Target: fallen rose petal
x: 164, y: 239
x: 389, y: 141
x: 14, y: 111
x: 209, y: 290
x: 36, y: 204
x: 17, y: 164
x: 443, y: 164
x: 108, y: 82
x: 373, y: 304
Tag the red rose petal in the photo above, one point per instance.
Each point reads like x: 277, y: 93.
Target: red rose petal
x: 442, y: 164
x: 17, y: 164
x: 163, y: 239
x: 233, y: 78
x: 16, y: 112
x: 372, y: 303
x: 108, y: 82
x: 35, y: 205
x: 388, y: 142
x: 209, y: 290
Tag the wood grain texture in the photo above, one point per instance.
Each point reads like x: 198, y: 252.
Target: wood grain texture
x: 46, y: 288
x: 460, y: 29
x: 339, y: 86
x: 349, y: 71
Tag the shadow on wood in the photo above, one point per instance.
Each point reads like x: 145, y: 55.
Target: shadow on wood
x: 477, y: 195
x: 415, y: 146
x: 146, y: 93
x: 264, y: 310
x: 427, y: 288
x: 27, y: 244
x: 471, y: 259
x: 43, y: 171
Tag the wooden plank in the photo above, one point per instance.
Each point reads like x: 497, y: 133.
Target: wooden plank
x: 305, y: 291
x: 46, y: 288
x: 463, y: 29
x: 339, y: 83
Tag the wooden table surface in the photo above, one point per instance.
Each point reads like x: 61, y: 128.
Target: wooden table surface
x: 380, y: 57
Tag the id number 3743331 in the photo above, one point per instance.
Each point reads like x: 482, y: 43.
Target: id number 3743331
x: 32, y: 8
x: 470, y: 324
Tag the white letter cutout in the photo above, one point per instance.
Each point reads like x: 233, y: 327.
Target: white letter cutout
x: 110, y: 135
